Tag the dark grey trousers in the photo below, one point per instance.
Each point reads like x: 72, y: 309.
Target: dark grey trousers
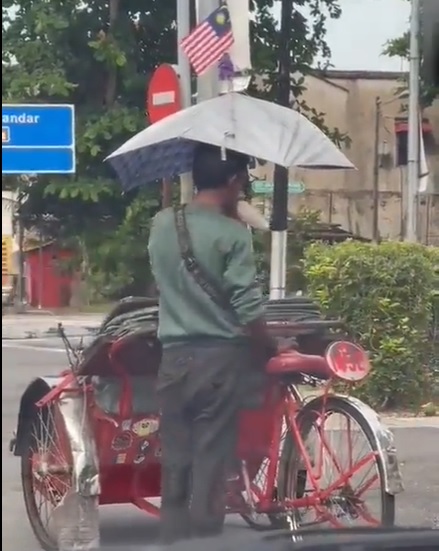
x: 200, y: 395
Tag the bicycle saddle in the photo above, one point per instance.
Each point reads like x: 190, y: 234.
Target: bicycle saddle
x: 293, y: 362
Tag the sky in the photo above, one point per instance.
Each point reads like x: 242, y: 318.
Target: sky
x: 358, y: 37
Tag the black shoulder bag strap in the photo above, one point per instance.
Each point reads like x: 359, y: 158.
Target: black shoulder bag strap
x: 191, y: 264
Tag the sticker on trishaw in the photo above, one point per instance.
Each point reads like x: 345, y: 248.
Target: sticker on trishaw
x: 126, y: 424
x: 122, y: 441
x: 347, y: 361
x: 145, y: 427
x: 120, y: 458
x: 144, y: 445
x: 139, y: 459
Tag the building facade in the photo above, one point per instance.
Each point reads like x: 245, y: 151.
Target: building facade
x: 349, y: 101
x: 8, y: 240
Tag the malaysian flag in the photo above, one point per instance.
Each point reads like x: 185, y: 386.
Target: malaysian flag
x: 209, y: 41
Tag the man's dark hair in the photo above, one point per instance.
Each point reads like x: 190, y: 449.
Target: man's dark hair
x: 210, y: 171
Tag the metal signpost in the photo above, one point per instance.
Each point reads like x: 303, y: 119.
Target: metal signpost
x: 38, y: 139
x: 164, y: 99
x: 184, y: 70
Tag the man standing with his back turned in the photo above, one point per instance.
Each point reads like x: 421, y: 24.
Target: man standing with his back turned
x: 201, y: 254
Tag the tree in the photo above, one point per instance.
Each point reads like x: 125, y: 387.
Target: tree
x: 400, y: 47
x: 96, y: 55
x: 308, y: 43
x: 99, y: 55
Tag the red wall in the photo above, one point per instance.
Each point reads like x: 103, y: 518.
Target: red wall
x: 56, y: 288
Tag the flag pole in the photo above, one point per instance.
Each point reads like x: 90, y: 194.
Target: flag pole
x: 208, y: 83
x: 184, y: 71
x: 413, y: 125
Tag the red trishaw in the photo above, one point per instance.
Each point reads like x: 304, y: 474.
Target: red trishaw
x: 90, y: 436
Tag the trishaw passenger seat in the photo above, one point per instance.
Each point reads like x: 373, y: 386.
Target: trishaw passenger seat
x: 294, y: 362
x: 130, y: 304
x: 107, y: 393
x: 132, y: 356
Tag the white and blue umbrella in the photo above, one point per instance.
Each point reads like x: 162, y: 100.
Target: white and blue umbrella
x: 234, y: 121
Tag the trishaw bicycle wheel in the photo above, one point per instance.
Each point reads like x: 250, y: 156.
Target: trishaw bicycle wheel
x: 350, y: 485
x: 46, y: 474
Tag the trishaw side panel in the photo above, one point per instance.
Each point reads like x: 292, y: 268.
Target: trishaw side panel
x: 129, y: 457
x: 74, y: 408
x: 65, y: 442
x: 121, y: 365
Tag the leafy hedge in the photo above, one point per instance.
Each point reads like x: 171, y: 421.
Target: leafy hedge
x: 384, y: 293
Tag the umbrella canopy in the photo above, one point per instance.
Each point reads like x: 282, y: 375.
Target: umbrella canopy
x: 235, y: 121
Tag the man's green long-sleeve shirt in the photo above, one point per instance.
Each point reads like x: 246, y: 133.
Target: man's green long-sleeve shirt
x: 223, y: 249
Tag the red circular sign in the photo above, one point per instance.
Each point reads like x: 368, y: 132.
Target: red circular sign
x: 347, y: 361
x: 164, y: 96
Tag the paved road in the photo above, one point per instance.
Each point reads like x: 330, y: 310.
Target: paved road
x: 125, y: 526
x: 29, y: 326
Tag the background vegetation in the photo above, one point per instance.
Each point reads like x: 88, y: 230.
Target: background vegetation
x: 387, y: 295
x: 99, y: 56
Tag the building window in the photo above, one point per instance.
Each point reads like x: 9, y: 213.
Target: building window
x: 401, y: 134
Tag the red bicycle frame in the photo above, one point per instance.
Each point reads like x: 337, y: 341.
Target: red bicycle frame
x: 286, y: 411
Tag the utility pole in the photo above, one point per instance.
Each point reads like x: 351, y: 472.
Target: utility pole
x: 20, y: 295
x: 413, y: 125
x: 279, y: 217
x: 184, y: 70
x: 376, y: 173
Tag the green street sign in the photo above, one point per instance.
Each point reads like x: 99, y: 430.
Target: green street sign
x: 262, y: 187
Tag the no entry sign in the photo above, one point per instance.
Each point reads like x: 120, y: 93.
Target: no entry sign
x: 164, y: 97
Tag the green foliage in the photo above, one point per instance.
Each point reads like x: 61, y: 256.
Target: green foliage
x: 95, y: 55
x: 299, y: 229
x: 434, y: 340
x: 308, y: 43
x: 383, y: 292
x: 400, y: 47
x: 99, y: 56
x: 120, y: 263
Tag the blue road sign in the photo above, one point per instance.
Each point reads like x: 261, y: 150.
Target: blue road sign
x: 38, y: 139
